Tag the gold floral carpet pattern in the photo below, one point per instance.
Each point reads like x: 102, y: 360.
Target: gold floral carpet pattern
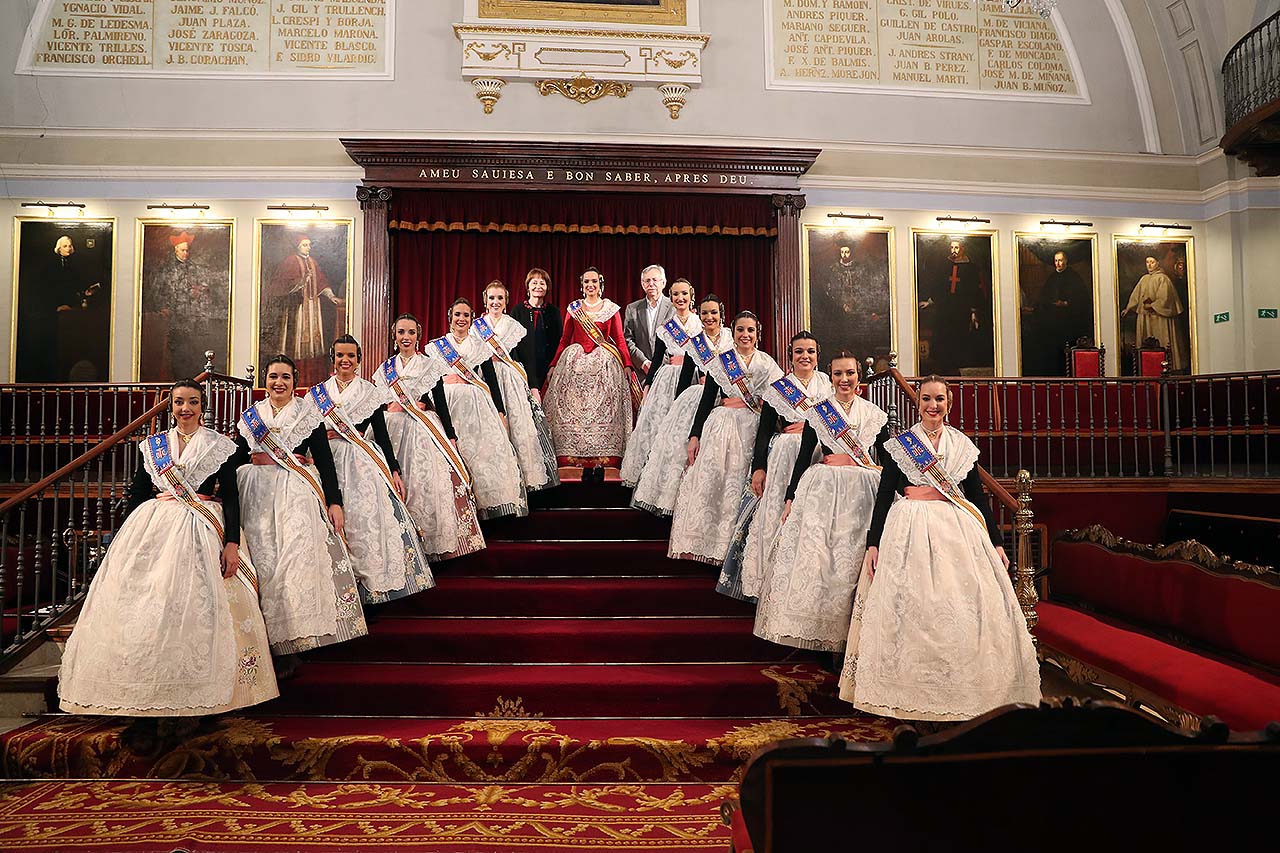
x: 44, y: 817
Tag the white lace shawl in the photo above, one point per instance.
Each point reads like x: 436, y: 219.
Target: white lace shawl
x: 200, y: 459
x: 691, y: 325
x: 955, y: 451
x: 601, y: 315
x: 297, y: 420
x: 762, y: 371
x: 720, y: 344
x: 865, y: 418
x: 473, y: 350
x: 417, y: 377
x: 818, y: 389
x: 358, y: 400
x: 509, y: 330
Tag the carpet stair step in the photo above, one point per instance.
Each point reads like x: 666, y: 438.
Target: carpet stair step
x: 585, y: 596
x: 608, y: 523
x: 571, y: 690
x: 495, y: 749
x: 521, y: 640
x: 573, y: 558
x: 575, y: 493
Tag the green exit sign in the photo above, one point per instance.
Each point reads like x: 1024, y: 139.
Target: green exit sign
x: 1267, y: 313
x: 1224, y: 317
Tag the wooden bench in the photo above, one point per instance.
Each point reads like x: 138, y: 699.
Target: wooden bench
x: 1096, y: 776
x: 1173, y: 629
x: 1247, y: 538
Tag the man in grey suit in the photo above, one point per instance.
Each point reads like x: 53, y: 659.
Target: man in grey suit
x: 643, y: 317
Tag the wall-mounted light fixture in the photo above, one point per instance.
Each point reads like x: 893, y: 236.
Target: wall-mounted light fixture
x: 172, y: 210
x: 859, y: 216
x: 303, y: 211
x: 68, y: 208
x: 1161, y: 228
x: 965, y: 222
x: 1061, y: 225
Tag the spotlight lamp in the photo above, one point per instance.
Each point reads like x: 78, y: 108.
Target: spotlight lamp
x: 965, y: 222
x: 1062, y: 225
x: 1161, y: 228
x: 300, y: 210
x: 172, y: 210
x: 858, y: 216
x: 69, y: 208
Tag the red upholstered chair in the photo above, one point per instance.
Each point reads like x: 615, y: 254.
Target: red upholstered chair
x: 1085, y: 361
x: 1151, y: 359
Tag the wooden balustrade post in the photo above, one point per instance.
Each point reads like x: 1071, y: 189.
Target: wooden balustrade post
x: 895, y: 424
x: 1025, y: 582
x: 208, y: 388
x: 1164, y: 417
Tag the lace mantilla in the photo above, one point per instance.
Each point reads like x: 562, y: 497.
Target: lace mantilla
x: 957, y: 452
x: 360, y: 399
x: 722, y: 343
x: 691, y: 325
x: 819, y: 388
x: 509, y: 330
x: 866, y: 417
x: 602, y: 314
x: 201, y: 459
x: 418, y: 377
x: 473, y: 350
x: 296, y: 421
x: 762, y: 371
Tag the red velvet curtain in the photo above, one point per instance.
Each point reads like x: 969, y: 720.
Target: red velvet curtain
x: 436, y: 259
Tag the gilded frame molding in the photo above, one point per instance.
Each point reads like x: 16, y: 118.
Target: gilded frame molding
x: 670, y: 13
x: 354, y: 293
x: 1092, y: 237
x: 139, y: 231
x: 805, y: 272
x: 1188, y: 242
x: 14, y: 294
x: 994, y: 234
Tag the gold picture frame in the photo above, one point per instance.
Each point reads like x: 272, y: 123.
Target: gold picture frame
x: 994, y: 270
x: 1126, y: 279
x: 669, y: 13
x: 143, y: 228
x: 350, y: 290
x: 1095, y: 323
x: 831, y: 340
x: 35, y: 251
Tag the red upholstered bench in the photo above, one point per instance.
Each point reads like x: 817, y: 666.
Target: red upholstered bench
x: 1174, y: 628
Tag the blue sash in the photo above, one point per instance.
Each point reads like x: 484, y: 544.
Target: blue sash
x: 678, y: 335
x: 439, y: 439
x: 738, y: 378
x: 343, y: 427
x: 283, y: 456
x: 703, y: 348
x: 792, y: 393
x: 454, y: 360
x: 842, y: 433
x: 490, y: 337
x: 922, y: 456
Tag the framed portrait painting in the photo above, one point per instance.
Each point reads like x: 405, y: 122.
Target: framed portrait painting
x: 63, y: 301
x: 183, y: 297
x: 956, y: 319
x: 1057, y: 299
x: 1155, y: 300
x: 849, y: 291
x: 302, y: 270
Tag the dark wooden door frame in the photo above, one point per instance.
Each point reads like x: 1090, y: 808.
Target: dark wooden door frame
x: 392, y: 164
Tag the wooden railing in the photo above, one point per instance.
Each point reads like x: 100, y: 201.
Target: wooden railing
x: 55, y: 531
x: 1251, y: 71
x: 897, y: 397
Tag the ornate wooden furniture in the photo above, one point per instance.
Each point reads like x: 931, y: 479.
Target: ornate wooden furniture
x: 1084, y: 360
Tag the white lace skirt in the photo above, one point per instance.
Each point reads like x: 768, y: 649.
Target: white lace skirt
x: 308, y: 590
x: 588, y: 406
x: 743, y: 580
x: 387, y: 557
x: 710, y: 492
x: 529, y: 435
x: 652, y: 413
x: 485, y: 447
x: 439, y: 502
x: 806, y: 590
x: 659, y: 481
x: 938, y: 635
x: 161, y: 632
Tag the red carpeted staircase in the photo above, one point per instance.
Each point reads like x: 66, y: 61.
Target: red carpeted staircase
x: 570, y: 651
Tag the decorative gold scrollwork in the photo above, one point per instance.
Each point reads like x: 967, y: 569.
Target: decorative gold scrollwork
x: 477, y: 48
x: 584, y: 89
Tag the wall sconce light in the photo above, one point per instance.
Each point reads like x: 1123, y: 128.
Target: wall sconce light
x: 1161, y: 229
x: 861, y: 216
x: 965, y: 222
x: 302, y: 211
x: 171, y: 210
x: 68, y: 208
x: 1062, y: 226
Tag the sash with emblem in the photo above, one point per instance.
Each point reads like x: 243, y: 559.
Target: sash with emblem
x: 453, y: 358
x: 842, y: 433
x: 482, y: 328
x: 928, y: 464
x: 579, y: 313
x: 738, y: 378
x: 438, y: 438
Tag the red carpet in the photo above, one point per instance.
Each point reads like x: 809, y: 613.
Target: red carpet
x: 49, y: 817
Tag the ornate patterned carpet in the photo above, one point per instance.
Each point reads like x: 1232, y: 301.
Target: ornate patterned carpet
x: 569, y: 688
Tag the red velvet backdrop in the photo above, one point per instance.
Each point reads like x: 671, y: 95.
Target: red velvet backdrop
x: 446, y: 245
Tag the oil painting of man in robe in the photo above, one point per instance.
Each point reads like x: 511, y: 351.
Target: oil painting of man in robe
x: 1055, y: 300
x: 954, y: 303
x: 302, y: 285
x: 186, y: 298
x: 1149, y: 301
x: 850, y: 291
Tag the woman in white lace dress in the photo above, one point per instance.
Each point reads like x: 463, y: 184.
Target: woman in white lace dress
x: 720, y: 447
x: 777, y: 447
x: 936, y: 631
x: 386, y: 554
x: 525, y: 419
x: 436, y: 479
x: 293, y: 521
x: 659, y: 479
x: 662, y: 383
x: 171, y: 626
x: 478, y: 410
x: 588, y: 397
x: 806, y: 591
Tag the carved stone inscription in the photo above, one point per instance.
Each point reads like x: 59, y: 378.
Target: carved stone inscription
x: 212, y: 38
x: 922, y: 46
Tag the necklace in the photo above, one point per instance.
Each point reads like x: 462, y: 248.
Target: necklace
x: 933, y: 433
x: 186, y: 437
x: 276, y: 410
x: 342, y: 386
